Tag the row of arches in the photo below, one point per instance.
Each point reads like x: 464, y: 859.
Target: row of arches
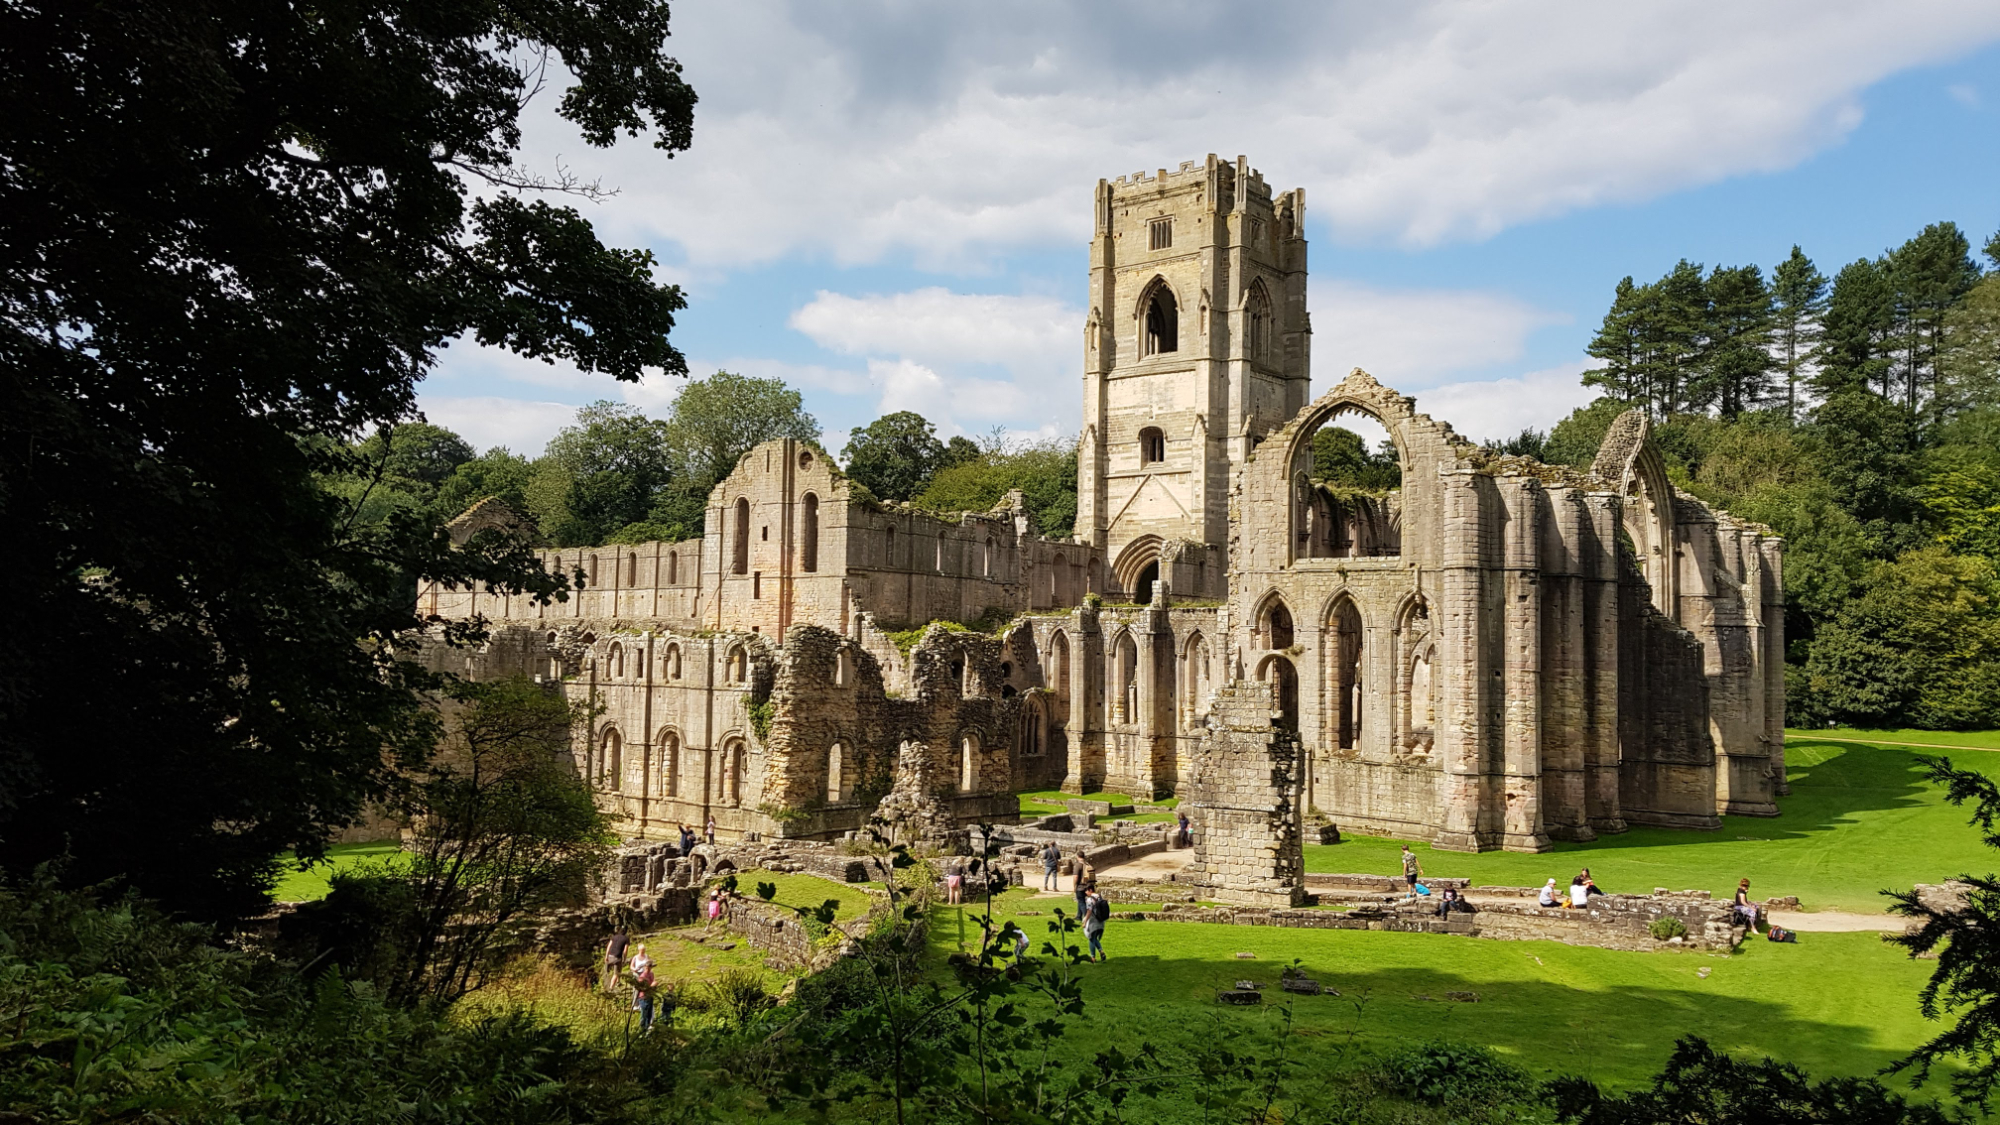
x: 1346, y: 663
x: 621, y: 662
x: 1159, y: 320
x: 606, y: 768
x: 666, y: 569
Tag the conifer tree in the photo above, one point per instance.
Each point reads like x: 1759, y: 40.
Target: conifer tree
x: 1735, y: 365
x: 1798, y: 293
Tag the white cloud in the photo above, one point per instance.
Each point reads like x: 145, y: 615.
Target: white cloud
x: 1964, y: 93
x: 1410, y: 337
x: 486, y: 421
x: 937, y: 352
x: 1497, y: 409
x: 946, y: 132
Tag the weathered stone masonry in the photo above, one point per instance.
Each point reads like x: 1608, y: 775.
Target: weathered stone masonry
x: 1496, y: 654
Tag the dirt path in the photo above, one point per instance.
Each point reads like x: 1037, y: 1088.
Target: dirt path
x: 1836, y: 922
x: 1146, y: 869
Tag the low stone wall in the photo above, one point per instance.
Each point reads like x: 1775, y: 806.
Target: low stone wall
x: 1610, y: 922
x: 1103, y: 810
x: 1379, y: 884
x: 1111, y: 855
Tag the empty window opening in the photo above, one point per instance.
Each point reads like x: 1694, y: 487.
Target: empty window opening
x: 611, y: 761
x: 1125, y: 681
x: 1346, y: 685
x: 1160, y: 234
x: 805, y: 459
x: 757, y: 585
x: 673, y: 568
x: 843, y: 668
x: 1277, y: 626
x: 809, y: 531
x: 740, y: 560
x: 986, y: 560
x: 1059, y: 675
x: 1152, y: 446
x: 1346, y: 490
x: 889, y: 549
x: 1163, y: 332
x: 1142, y: 590
x: 1284, y: 679
x: 593, y: 570
x: 764, y: 533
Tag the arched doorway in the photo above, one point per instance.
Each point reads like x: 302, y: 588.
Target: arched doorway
x: 1345, y: 670
x: 1284, y: 680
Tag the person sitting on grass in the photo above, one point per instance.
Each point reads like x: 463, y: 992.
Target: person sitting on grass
x: 1745, y: 909
x: 1548, y: 895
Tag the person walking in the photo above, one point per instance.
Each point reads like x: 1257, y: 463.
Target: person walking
x: 1051, y: 864
x: 1413, y: 870
x: 714, y: 909
x: 1096, y: 913
x: 954, y: 882
x: 614, y: 958
x: 642, y: 988
x: 1086, y: 881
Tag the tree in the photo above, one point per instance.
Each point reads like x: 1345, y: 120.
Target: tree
x: 1702, y: 1085
x: 1617, y: 346
x: 716, y: 420
x: 1920, y: 647
x: 1530, y: 442
x: 602, y: 473
x: 1340, y: 457
x: 1798, y: 294
x: 1735, y: 369
x: 496, y: 472
x: 1857, y: 330
x: 504, y: 829
x: 896, y: 455
x: 233, y: 236
x: 1044, y: 472
x: 1964, y: 936
x: 1930, y: 272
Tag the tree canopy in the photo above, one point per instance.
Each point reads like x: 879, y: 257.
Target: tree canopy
x: 233, y: 237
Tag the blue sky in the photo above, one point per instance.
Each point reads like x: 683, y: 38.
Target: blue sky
x: 887, y: 203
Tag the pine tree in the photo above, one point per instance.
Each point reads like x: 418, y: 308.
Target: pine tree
x: 1616, y: 345
x: 1734, y: 372
x: 1674, y: 336
x: 1930, y: 273
x: 1798, y: 292
x: 1857, y: 330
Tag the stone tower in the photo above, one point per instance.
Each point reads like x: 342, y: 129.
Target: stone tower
x: 1197, y: 345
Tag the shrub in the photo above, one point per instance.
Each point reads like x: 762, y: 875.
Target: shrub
x: 1442, y: 1071
x: 1667, y: 929
x: 739, y: 994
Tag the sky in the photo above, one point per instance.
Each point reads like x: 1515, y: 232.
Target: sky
x: 887, y: 203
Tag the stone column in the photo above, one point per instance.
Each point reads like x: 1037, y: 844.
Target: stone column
x: 1086, y: 706
x: 1461, y: 717
x: 1772, y: 592
x: 1522, y: 666
x: 1600, y: 656
x: 1244, y: 798
x: 1564, y: 681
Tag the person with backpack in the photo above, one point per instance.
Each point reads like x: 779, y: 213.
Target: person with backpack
x: 1097, y: 911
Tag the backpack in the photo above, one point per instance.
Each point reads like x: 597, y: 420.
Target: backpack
x: 1781, y: 934
x: 1101, y: 909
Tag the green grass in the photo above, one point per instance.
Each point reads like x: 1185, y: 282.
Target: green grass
x: 1983, y: 739
x: 806, y: 891
x: 1834, y: 1003
x: 1860, y: 818
x: 312, y: 883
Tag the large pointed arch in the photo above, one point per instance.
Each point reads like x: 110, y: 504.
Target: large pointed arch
x: 1629, y: 457
x: 1157, y: 318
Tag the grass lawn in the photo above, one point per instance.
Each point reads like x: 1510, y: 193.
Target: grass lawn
x: 312, y: 883
x: 1860, y: 818
x: 1043, y: 802
x: 805, y: 891
x: 1834, y: 1003
x: 1982, y: 739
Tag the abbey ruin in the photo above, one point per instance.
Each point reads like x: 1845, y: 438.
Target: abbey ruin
x: 1496, y: 654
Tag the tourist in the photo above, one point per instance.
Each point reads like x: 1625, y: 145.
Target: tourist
x: 1412, y: 871
x: 1051, y: 864
x: 714, y: 909
x: 1449, y: 901
x: 1186, y: 837
x: 1086, y: 881
x: 1746, y: 909
x: 668, y: 998
x: 1020, y: 943
x: 1579, y: 892
x: 711, y: 831
x: 642, y: 988
x: 1097, y: 911
x: 1549, y: 896
x: 1590, y: 884
x: 614, y: 958
x: 687, y: 840
x: 954, y: 882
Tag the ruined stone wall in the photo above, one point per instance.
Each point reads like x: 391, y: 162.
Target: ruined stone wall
x: 1245, y: 791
